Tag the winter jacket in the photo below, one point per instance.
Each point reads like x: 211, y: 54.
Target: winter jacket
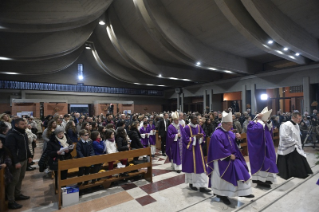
x: 72, y: 135
x: 121, y: 144
x: 17, y: 143
x: 135, y: 136
x: 84, y: 149
x: 98, y: 147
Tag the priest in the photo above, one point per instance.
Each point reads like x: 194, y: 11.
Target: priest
x: 174, y: 143
x: 227, y: 169
x: 292, y: 160
x: 262, y: 154
x: 193, y: 163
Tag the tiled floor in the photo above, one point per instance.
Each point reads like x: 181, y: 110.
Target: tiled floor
x: 168, y: 192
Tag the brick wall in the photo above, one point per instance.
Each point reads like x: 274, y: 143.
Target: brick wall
x: 52, y: 108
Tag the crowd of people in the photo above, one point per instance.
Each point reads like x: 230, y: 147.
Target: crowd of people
x: 182, y: 135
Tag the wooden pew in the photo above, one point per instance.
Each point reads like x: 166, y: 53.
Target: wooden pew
x: 98, y: 159
x: 275, y: 137
x: 3, y: 202
x: 244, y: 147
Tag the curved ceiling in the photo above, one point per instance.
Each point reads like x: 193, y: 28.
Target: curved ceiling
x: 166, y: 43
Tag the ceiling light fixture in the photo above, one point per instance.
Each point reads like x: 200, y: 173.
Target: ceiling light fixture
x: 87, y: 47
x: 297, y: 54
x: 149, y: 84
x: 159, y: 75
x: 161, y: 85
x: 198, y: 63
x: 270, y: 42
x: 263, y: 97
x: 186, y: 79
x: 229, y: 72
x: 136, y: 83
x: 280, y: 52
x: 5, y: 58
x: 9, y: 73
x: 102, y: 23
x: 80, y: 71
x: 173, y: 78
x: 285, y: 49
x: 212, y: 68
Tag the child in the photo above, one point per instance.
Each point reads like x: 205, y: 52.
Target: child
x: 99, y: 149
x: 152, y: 139
x: 84, y: 148
x: 112, y: 148
x: 144, y: 134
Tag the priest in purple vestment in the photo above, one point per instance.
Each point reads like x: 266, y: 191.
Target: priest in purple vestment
x: 193, y: 163
x: 144, y: 131
x: 262, y: 155
x: 227, y: 169
x: 174, y: 142
x: 152, y: 138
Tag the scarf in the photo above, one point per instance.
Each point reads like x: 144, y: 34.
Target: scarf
x: 22, y: 131
x: 98, y: 140
x: 63, y: 141
x: 111, y: 139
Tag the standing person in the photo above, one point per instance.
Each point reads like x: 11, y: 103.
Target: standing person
x: 5, y: 156
x: 71, y: 131
x: 152, y: 138
x: 162, y: 132
x: 261, y: 149
x: 6, y: 119
x: 135, y: 137
x: 174, y: 147
x: 79, y: 125
x: 46, y: 135
x: 57, y: 141
x: 31, y: 138
x: 193, y: 163
x: 17, y: 143
x: 144, y: 131
x: 292, y: 160
x: 181, y: 119
x: 84, y: 148
x: 227, y: 169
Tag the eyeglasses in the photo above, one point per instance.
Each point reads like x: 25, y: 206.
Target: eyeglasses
x: 86, y: 135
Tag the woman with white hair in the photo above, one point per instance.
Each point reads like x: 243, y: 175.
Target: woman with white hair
x: 174, y: 142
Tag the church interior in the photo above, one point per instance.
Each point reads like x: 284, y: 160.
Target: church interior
x: 159, y: 105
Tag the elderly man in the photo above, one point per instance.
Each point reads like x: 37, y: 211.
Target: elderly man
x: 227, y: 169
x: 76, y: 117
x: 262, y: 155
x: 193, y: 163
x: 292, y: 160
x: 181, y: 119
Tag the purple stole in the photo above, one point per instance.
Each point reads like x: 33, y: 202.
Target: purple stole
x: 193, y: 157
x: 152, y: 138
x: 144, y: 141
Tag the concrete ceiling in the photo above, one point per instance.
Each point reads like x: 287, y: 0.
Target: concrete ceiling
x: 147, y: 43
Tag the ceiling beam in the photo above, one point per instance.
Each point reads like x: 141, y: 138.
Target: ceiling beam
x: 238, y: 16
x: 282, y: 29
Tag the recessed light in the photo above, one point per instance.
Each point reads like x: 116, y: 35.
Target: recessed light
x: 136, y: 83
x: 102, y: 23
x: 149, y: 84
x: 280, y: 52
x: 161, y: 85
x: 198, y: 63
x: 80, y: 77
x: 9, y: 73
x: 285, y: 49
x: 87, y: 47
x: 159, y: 75
x: 186, y: 79
x: 292, y: 57
x: 229, y: 72
x: 297, y: 54
x: 270, y: 42
x: 5, y: 58
x: 173, y: 78
x: 212, y: 68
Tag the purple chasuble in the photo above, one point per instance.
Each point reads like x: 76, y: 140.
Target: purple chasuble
x: 152, y: 138
x: 144, y: 141
x: 174, y: 148
x: 262, y: 155
x: 193, y: 157
x: 318, y: 182
x: 222, y: 145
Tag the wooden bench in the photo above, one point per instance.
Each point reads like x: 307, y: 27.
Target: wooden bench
x: 100, y: 159
x: 275, y: 137
x: 3, y: 202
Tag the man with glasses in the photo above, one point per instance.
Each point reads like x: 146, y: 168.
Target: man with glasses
x: 292, y: 160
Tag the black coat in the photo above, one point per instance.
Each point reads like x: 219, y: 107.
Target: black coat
x: 18, y: 145
x: 84, y: 149
x: 121, y: 144
x: 52, y: 148
x: 135, y: 136
x: 161, y: 127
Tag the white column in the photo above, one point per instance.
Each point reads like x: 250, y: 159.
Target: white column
x: 178, y: 102
x: 204, y: 102
x: 253, y: 99
x: 306, y: 95
x: 210, y: 100
x: 243, y: 98
x: 182, y: 102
